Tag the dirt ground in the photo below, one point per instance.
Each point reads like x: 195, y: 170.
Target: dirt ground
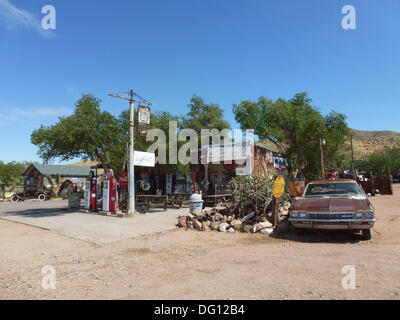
x: 205, y: 265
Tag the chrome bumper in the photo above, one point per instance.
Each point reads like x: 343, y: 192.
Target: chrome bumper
x: 333, y: 224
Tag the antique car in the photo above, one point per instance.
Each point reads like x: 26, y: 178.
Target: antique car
x: 32, y: 191
x: 334, y: 204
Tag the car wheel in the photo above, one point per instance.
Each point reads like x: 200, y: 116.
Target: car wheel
x: 366, y: 234
x: 14, y: 199
x: 41, y: 197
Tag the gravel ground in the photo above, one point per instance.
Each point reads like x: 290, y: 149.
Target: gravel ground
x: 183, y: 264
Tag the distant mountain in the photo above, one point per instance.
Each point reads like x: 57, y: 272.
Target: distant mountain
x: 368, y: 142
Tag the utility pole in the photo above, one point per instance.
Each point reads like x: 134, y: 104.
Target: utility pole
x: 131, y: 168
x: 321, y: 143
x: 353, y: 172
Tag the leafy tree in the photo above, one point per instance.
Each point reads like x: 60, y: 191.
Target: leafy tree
x: 92, y: 134
x: 204, y: 116
x: 11, y: 175
x: 88, y: 133
x: 296, y: 128
x: 378, y: 161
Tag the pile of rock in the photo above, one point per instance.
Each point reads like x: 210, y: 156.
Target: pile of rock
x: 219, y: 219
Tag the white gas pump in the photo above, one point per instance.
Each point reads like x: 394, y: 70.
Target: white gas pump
x: 87, y: 194
x: 106, y: 195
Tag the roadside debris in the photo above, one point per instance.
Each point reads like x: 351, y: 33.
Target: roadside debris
x: 220, y: 218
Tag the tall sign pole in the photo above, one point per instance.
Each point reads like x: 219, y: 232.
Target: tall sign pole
x: 131, y: 167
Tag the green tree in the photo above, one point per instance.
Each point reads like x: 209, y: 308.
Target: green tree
x: 92, y: 134
x: 89, y: 134
x: 11, y: 175
x: 378, y: 161
x: 204, y: 116
x: 296, y: 127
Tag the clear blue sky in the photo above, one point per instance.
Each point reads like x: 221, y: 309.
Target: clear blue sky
x: 224, y: 51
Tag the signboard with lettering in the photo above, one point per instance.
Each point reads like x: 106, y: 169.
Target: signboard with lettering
x: 278, y: 187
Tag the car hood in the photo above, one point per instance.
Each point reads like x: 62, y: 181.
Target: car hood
x: 332, y: 204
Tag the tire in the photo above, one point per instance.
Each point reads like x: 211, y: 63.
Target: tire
x: 41, y: 197
x: 14, y: 199
x: 366, y: 234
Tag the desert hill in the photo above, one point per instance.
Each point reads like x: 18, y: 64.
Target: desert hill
x: 368, y: 142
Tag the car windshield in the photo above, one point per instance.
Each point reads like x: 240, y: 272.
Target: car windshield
x: 333, y: 190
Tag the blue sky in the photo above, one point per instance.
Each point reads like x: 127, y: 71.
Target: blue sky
x: 224, y: 51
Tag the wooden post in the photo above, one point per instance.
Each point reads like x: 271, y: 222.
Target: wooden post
x: 389, y: 180
x: 274, y: 212
x: 321, y: 159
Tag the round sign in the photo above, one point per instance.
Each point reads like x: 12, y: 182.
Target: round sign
x: 278, y: 187
x: 123, y: 179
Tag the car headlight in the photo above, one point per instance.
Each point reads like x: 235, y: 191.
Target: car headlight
x: 298, y: 214
x: 358, y: 214
x: 303, y: 215
x: 369, y: 214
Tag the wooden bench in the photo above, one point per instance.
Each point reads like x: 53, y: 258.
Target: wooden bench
x: 178, y: 199
x: 151, y: 201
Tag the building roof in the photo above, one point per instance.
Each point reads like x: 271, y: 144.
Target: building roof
x: 62, y: 170
x: 268, y: 145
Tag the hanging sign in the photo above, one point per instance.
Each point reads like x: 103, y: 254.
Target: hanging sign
x: 143, y: 120
x: 279, y: 163
x: 278, y: 188
x: 144, y: 159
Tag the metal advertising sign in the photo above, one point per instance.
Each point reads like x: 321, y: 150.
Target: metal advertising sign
x: 278, y: 187
x: 123, y: 179
x: 279, y: 163
x: 143, y: 120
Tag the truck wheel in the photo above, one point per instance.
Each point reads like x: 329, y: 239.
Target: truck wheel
x: 14, y: 199
x: 366, y: 234
x: 41, y: 197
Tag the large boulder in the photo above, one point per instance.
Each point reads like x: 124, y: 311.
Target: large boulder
x: 247, y: 227
x: 267, y: 231
x: 261, y: 225
x: 197, y: 224
x: 205, y: 226
x: 236, y: 224
x: 223, y: 226
x: 182, y: 222
x: 214, y: 225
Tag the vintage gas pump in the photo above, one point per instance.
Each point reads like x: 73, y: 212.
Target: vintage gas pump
x: 87, y: 194
x: 90, y: 192
x: 74, y: 199
x: 110, y: 192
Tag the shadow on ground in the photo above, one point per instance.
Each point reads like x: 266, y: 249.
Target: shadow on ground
x: 286, y: 232
x: 38, y: 213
